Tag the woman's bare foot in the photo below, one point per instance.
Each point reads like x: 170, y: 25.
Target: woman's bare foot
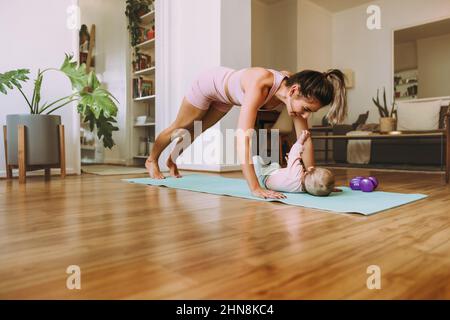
x: 153, y: 169
x: 173, y: 168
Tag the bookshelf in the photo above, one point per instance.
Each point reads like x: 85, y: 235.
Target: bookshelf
x: 142, y: 79
x: 406, y: 84
x: 147, y: 71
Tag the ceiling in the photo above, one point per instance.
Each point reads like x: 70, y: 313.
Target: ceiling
x: 330, y: 5
x: 270, y: 1
x: 339, y: 5
x: 428, y: 30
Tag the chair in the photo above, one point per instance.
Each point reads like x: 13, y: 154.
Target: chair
x: 285, y: 125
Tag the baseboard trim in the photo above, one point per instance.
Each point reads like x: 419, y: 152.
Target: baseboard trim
x: 111, y: 161
x: 382, y: 169
x: 230, y: 168
x: 54, y: 172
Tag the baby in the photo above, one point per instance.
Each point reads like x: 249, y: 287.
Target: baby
x: 295, y: 177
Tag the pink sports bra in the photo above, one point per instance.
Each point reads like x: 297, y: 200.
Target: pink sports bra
x: 235, y: 93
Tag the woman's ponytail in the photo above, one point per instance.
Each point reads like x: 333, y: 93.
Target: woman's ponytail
x: 327, y: 87
x: 338, y: 106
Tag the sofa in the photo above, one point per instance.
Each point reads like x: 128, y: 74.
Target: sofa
x: 414, y: 151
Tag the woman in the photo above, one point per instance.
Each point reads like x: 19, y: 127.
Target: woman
x: 217, y: 90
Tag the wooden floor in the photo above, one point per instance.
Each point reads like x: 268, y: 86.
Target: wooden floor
x: 140, y: 242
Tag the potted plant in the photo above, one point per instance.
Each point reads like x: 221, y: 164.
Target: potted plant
x: 135, y: 9
x: 96, y: 105
x: 388, y: 119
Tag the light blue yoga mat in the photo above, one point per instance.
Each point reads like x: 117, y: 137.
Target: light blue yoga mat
x: 348, y: 201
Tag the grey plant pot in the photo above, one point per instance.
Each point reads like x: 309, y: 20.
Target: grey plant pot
x: 41, y: 136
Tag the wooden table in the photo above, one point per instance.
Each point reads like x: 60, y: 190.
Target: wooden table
x: 323, y: 129
x: 444, y: 135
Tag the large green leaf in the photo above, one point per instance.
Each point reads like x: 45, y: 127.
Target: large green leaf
x: 105, y: 126
x: 12, y: 79
x: 95, y: 104
x: 92, y: 81
x: 99, y: 102
x: 76, y: 74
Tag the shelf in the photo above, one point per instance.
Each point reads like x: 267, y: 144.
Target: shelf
x: 147, y: 18
x: 88, y: 161
x: 145, y: 71
x: 87, y: 147
x: 149, y: 124
x: 147, y: 102
x: 146, y: 44
x: 406, y: 84
x: 145, y: 98
x: 406, y: 98
x: 405, y: 71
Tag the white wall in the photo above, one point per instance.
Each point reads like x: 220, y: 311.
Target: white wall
x: 261, y: 45
x: 314, y: 47
x: 283, y: 32
x: 189, y: 43
x: 369, y: 53
x: 235, y: 28
x: 405, y: 56
x: 198, y: 50
x: 198, y: 34
x: 35, y: 36
x: 292, y: 35
x: 274, y: 34
x: 314, y: 37
x: 111, y: 53
x: 434, y: 66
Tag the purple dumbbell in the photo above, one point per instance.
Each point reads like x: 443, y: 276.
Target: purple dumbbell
x: 366, y: 185
x: 374, y: 181
x: 355, y: 183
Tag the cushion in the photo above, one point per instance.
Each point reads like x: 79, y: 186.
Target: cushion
x: 418, y: 115
x: 442, y: 113
x: 358, y: 151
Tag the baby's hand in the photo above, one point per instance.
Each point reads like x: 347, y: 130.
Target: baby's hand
x: 304, y: 136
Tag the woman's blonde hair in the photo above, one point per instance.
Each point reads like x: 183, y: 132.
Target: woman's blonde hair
x: 338, y: 109
x: 327, y: 87
x: 319, y: 182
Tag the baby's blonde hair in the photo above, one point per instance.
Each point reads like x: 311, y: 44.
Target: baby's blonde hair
x: 319, y: 182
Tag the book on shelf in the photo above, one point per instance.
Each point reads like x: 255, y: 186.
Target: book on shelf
x: 142, y: 62
x: 146, y: 34
x: 142, y: 88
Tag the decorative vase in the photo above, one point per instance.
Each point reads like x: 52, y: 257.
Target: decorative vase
x: 41, y: 136
x: 388, y: 124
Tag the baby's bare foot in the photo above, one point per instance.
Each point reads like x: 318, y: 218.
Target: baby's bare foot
x: 173, y: 169
x: 153, y: 169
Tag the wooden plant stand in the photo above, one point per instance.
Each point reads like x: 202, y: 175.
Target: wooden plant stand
x: 22, y: 157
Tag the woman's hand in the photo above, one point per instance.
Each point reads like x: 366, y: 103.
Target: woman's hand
x: 267, y: 194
